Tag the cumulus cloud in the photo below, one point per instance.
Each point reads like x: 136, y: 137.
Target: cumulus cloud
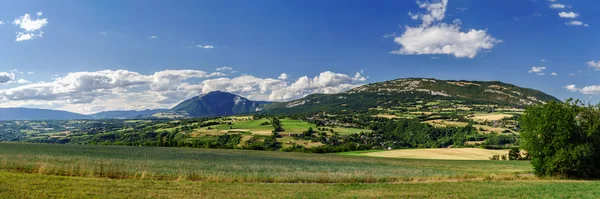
x: 122, y: 89
x: 1, y: 22
x: 436, y: 37
x: 571, y: 88
x: 537, y: 70
x: 153, y: 37
x: 554, y: 74
x: 31, y: 28
x: 570, y: 15
x: 577, y: 23
x: 588, y: 90
x: 6, y: 77
x: 283, y: 76
x: 594, y: 64
x: 557, y: 6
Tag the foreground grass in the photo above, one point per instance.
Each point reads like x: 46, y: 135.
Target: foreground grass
x: 20, y: 185
x: 213, y: 165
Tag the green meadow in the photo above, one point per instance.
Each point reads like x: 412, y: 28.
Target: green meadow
x: 83, y: 171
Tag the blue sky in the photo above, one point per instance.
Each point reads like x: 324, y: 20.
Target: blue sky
x: 161, y: 53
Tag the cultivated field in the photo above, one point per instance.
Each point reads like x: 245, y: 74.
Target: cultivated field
x: 489, y: 117
x: 214, y: 165
x: 20, y: 185
x: 440, y: 154
x: 83, y: 171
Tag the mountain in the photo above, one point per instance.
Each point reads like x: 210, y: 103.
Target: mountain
x: 398, y: 92
x: 38, y: 114
x: 126, y: 114
x: 217, y: 103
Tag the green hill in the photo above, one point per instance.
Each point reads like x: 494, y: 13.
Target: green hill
x: 397, y: 92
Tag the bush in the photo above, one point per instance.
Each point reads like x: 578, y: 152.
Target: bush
x: 495, y: 157
x: 563, y: 139
x: 514, y: 154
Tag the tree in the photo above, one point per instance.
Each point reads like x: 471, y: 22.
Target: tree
x: 563, y: 139
x: 276, y: 124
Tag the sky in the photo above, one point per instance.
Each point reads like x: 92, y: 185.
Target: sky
x: 91, y: 56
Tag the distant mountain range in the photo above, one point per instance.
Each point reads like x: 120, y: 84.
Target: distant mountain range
x: 381, y: 94
x: 126, y: 114
x: 38, y: 114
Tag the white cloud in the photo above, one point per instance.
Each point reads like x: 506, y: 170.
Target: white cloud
x: 570, y: 15
x: 1, y: 22
x: 577, y: 23
x: 22, y: 81
x: 557, y: 6
x: 27, y: 36
x: 205, y: 47
x: 121, y: 89
x: 279, y: 90
x: 283, y: 76
x: 6, y: 77
x: 224, y: 68
x: 537, y: 70
x: 29, y: 25
x: 153, y: 37
x: 588, y: 90
x: 571, y: 88
x: 594, y: 64
x: 434, y: 37
x: 102, y: 33
x: 554, y: 74
x: 39, y: 14
x: 30, y: 73
x: 542, y: 60
x: 462, y: 9
x: 32, y: 28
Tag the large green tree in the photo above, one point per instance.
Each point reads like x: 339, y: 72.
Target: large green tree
x: 563, y: 139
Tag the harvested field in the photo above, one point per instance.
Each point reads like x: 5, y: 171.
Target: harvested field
x: 489, y: 117
x: 386, y: 116
x: 440, y: 154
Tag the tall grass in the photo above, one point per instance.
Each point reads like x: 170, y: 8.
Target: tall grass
x: 214, y: 165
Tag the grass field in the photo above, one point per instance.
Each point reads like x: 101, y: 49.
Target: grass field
x: 80, y: 171
x: 440, y: 154
x: 19, y: 185
x: 213, y: 165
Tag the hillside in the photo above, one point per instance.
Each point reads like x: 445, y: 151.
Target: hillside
x: 404, y: 91
x: 38, y: 114
x: 217, y: 103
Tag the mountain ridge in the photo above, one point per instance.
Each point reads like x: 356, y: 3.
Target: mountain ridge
x: 402, y: 90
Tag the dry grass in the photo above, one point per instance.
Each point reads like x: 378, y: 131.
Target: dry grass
x: 440, y: 154
x: 387, y: 116
x: 489, y: 117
